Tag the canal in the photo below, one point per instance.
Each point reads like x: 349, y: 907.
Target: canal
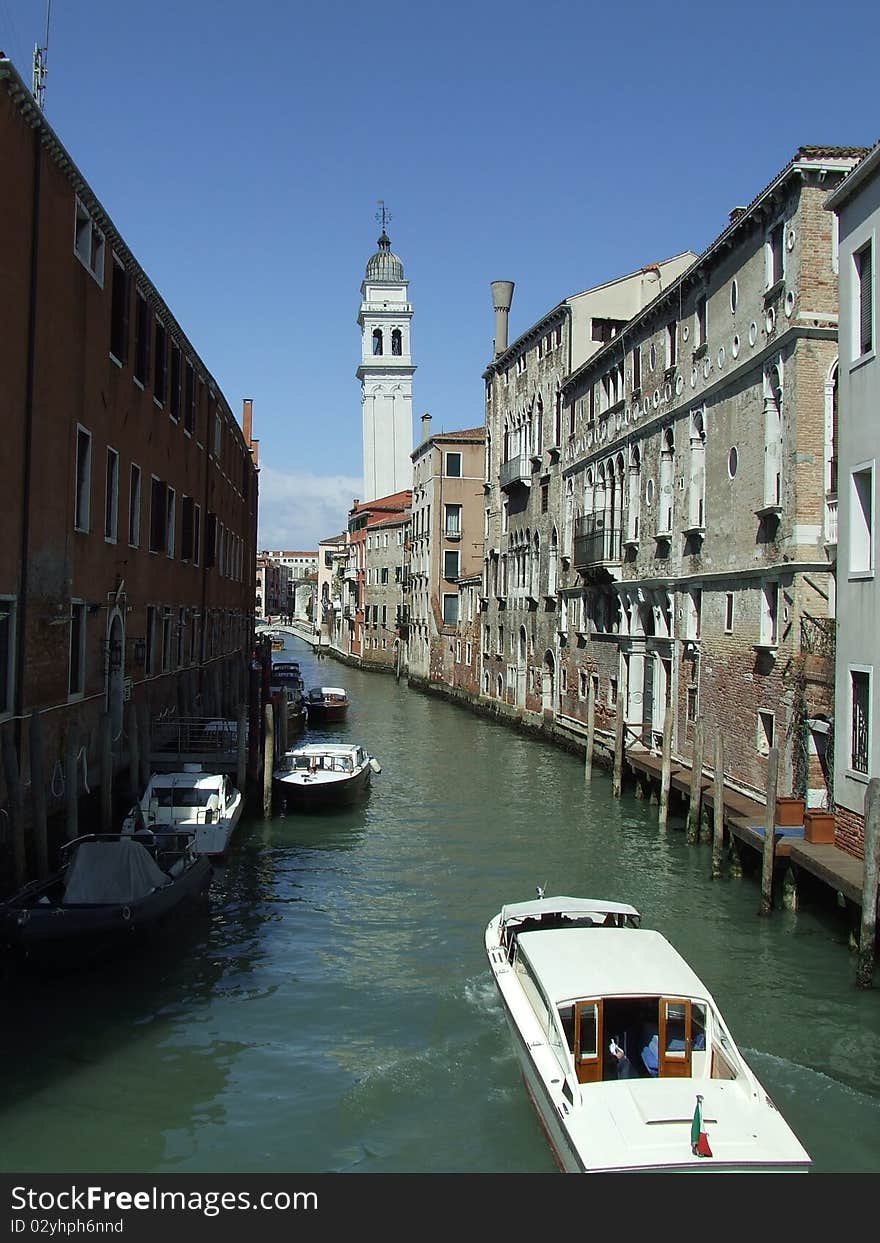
x: 332, y: 1010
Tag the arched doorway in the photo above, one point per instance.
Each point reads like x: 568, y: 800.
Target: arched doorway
x: 521, y: 663
x: 548, y: 683
x: 115, y: 685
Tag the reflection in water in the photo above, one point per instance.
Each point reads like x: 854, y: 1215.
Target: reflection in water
x: 332, y: 1010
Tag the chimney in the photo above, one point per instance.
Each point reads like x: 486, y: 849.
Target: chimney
x: 426, y: 426
x: 247, y: 419
x: 502, y: 296
x: 255, y: 451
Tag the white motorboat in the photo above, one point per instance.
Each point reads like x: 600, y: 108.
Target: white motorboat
x: 624, y: 1052
x: 324, y: 775
x: 207, y: 805
x: 326, y: 704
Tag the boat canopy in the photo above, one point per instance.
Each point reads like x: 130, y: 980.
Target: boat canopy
x: 104, y: 873
x: 321, y: 691
x: 573, y: 963
x: 573, y: 908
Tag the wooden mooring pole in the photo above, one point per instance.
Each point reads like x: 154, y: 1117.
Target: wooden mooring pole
x: 620, y: 734
x: 696, y: 795
x: 268, y: 760
x: 769, y: 833
x: 242, y: 740
x: 38, y: 795
x: 665, y: 767
x: 718, y: 800
x: 868, y: 930
x: 591, y: 729
x: 15, y: 806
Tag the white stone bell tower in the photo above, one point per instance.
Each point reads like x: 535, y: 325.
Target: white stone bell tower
x: 386, y: 372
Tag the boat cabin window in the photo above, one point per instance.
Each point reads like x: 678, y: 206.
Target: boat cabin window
x: 191, y: 796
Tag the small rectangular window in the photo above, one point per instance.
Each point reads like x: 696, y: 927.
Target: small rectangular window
x: 453, y: 465
x: 453, y: 520
x: 702, y: 335
x: 88, y: 242
x: 189, y: 399
x: 160, y: 368
x: 186, y: 528
x: 134, y: 507
x: 120, y: 299
x: 671, y: 344
x: 111, y: 496
x: 158, y: 515
x: 691, y: 704
x: 864, y: 311
x: 141, y: 339
x: 450, y: 563
x: 450, y: 609
x: 775, y: 255
x: 174, y: 394
x: 728, y: 613
x: 82, y: 500
x: 860, y: 686
x: 636, y: 368
x: 861, y: 516
x: 169, y: 521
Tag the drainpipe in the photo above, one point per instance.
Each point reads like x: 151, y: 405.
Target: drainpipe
x: 21, y: 616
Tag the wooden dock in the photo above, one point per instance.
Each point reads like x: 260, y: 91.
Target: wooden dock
x: 744, y: 820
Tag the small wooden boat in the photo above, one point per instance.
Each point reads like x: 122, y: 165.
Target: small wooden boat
x: 326, y: 704
x: 288, y: 689
x: 206, y: 805
x: 623, y: 1050
x: 107, y: 887
x: 324, y: 775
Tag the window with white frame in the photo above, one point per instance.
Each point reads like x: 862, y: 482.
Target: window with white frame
x: 450, y: 608
x: 728, y: 612
x: 453, y: 465
x: 134, y: 506
x: 774, y: 252
x: 452, y: 519
x: 450, y: 563
x: 77, y: 652
x: 111, y: 496
x: 7, y: 654
x: 861, y: 521
x: 671, y: 344
x: 701, y: 323
x: 863, y: 287
x: 764, y: 733
x: 119, y: 303
x: 82, y: 499
x: 88, y: 242
x: 860, y: 716
x: 769, y: 628
x: 169, y: 522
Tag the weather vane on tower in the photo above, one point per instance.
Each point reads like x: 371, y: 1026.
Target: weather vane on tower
x: 383, y: 216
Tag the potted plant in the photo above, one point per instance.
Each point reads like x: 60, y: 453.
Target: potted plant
x: 790, y: 811
x: 819, y: 826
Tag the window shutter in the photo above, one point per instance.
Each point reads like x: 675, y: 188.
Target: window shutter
x: 866, y: 299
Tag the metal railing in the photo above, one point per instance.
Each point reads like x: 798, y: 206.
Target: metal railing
x: 515, y: 470
x: 818, y: 635
x: 596, y: 541
x: 195, y: 735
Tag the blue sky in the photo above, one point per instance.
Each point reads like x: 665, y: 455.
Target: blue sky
x: 240, y: 149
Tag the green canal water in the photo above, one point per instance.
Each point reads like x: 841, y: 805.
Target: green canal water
x: 332, y: 1009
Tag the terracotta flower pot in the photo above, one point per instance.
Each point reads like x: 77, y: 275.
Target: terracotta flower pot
x: 790, y: 812
x: 819, y: 827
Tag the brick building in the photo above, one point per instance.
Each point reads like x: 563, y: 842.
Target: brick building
x: 445, y: 544
x: 697, y: 553
x: 129, y: 489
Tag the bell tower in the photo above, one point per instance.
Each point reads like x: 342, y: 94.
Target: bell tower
x: 385, y: 371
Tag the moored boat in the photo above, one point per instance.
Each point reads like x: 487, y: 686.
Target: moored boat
x: 326, y: 704
x: 107, y: 887
x: 324, y: 775
x: 207, y: 805
x: 288, y: 690
x: 625, y: 1055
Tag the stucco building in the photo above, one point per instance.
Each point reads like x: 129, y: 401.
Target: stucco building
x: 445, y: 543
x: 856, y: 746
x: 697, y: 542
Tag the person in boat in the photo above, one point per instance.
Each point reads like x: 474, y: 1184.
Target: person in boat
x: 622, y: 1066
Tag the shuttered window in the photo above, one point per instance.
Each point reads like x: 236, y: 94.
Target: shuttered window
x: 865, y: 273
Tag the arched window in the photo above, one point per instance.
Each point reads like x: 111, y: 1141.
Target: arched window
x: 377, y: 340
x: 396, y: 342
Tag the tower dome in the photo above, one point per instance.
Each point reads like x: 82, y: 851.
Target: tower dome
x: 384, y: 265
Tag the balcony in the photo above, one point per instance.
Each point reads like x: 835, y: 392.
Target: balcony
x: 596, y: 541
x: 831, y: 521
x: 350, y: 574
x: 517, y: 471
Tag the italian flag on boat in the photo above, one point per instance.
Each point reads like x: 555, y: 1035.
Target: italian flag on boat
x: 699, y: 1138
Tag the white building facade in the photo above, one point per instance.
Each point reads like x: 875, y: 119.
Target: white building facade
x: 385, y: 373
x: 857, y: 682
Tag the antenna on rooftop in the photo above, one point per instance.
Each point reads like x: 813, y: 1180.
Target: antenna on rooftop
x: 383, y: 216
x: 41, y: 54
